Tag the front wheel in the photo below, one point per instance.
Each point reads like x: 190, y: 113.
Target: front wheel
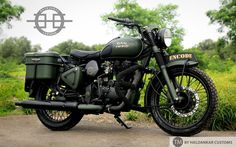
x: 54, y: 119
x: 195, y: 107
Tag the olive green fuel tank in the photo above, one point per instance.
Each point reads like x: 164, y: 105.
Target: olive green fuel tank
x: 126, y: 47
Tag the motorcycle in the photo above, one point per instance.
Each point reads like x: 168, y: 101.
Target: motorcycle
x: 180, y: 97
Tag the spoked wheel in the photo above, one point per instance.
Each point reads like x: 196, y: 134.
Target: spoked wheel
x: 54, y: 119
x: 196, y: 104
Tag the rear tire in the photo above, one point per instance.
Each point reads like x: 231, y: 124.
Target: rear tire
x: 196, y: 108
x: 53, y: 119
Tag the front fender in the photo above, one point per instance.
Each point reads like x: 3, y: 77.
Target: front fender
x: 181, y: 63
x: 181, y: 59
x: 184, y: 60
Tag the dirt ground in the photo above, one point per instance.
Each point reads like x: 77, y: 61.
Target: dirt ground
x: 92, y: 131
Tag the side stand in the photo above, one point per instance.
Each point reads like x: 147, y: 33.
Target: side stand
x: 120, y: 121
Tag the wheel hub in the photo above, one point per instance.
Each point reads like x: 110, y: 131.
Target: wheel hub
x: 187, y: 103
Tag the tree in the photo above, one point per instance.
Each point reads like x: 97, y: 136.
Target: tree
x: 66, y: 47
x: 207, y: 44
x: 98, y: 47
x: 163, y: 16
x: 9, y: 12
x: 15, y: 48
x: 226, y: 17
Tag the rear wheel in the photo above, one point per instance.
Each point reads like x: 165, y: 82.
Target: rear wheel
x: 54, y: 119
x: 194, y: 108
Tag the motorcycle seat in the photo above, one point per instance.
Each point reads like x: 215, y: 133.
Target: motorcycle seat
x: 80, y: 54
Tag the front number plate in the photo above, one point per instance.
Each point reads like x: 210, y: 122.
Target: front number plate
x: 182, y: 56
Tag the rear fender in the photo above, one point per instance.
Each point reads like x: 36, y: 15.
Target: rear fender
x: 31, y: 86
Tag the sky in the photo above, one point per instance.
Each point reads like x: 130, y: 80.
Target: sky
x: 87, y: 26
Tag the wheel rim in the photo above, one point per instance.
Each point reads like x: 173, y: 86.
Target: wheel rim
x: 55, y: 115
x: 194, y: 104
x: 58, y: 115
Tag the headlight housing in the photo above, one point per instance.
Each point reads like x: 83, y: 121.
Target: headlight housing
x: 164, y: 38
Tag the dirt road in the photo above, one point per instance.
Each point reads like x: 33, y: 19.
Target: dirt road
x: 27, y: 131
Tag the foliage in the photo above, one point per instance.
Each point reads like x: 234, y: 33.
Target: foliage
x: 132, y: 115
x: 225, y: 118
x: 229, y: 51
x: 98, y: 47
x: 9, y: 11
x: 11, y: 87
x: 225, y: 17
x: 15, y: 48
x: 163, y: 16
x: 207, y: 44
x: 211, y: 61
x: 66, y: 47
x: 211, y: 54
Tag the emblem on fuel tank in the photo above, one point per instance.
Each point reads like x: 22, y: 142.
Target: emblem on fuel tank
x: 121, y: 45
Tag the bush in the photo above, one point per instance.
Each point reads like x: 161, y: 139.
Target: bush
x: 11, y: 87
x: 132, y: 116
x: 211, y: 61
x: 225, y: 118
x: 216, y: 64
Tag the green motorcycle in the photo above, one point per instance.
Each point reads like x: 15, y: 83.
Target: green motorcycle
x: 181, y: 98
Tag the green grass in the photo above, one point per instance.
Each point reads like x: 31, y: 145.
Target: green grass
x: 11, y: 88
x: 225, y: 82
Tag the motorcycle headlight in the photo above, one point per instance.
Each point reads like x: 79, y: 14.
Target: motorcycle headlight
x: 164, y: 38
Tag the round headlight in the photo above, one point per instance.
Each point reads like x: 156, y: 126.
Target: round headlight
x: 164, y: 38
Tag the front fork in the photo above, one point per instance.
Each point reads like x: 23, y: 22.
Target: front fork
x: 172, y: 95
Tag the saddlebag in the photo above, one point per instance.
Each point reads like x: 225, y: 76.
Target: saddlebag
x: 43, y: 67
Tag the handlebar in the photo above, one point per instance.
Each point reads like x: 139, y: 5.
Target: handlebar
x: 130, y: 24
x: 126, y: 20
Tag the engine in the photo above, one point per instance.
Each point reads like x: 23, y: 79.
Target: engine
x: 103, y: 89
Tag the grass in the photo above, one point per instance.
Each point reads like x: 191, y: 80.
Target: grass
x: 11, y: 88
x: 225, y: 118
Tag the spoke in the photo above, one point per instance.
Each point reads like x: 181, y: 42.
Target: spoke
x: 200, y: 89
x: 158, y: 92
x: 194, y: 89
x: 181, y: 80
x: 190, y: 81
x: 161, y: 84
x: 55, y: 114
x: 198, y: 86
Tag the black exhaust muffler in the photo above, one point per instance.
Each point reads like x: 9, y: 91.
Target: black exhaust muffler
x: 57, y: 105
x: 49, y: 105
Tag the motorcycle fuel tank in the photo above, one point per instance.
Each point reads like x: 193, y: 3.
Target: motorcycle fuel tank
x: 126, y: 47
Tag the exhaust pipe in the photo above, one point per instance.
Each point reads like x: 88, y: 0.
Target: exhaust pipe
x: 49, y: 105
x: 53, y: 105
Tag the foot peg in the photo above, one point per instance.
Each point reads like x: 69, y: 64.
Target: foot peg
x: 120, y: 121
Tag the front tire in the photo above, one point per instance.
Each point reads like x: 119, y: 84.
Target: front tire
x: 195, y: 107
x: 53, y: 119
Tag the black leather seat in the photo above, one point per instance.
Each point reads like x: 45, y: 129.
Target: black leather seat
x: 85, y: 54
